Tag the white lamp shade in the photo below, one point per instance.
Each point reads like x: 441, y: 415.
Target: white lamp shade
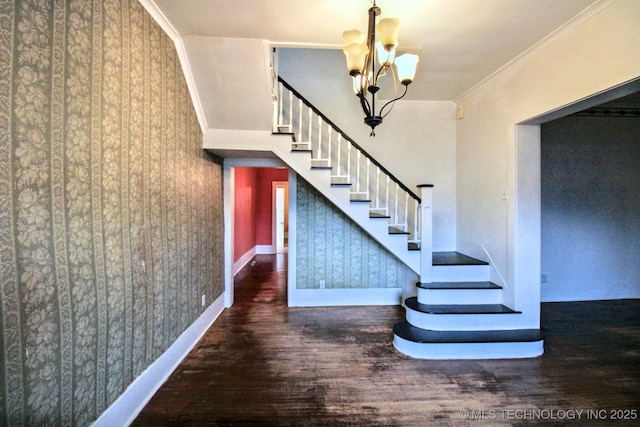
x: 406, y: 67
x: 356, y: 55
x: 385, y: 57
x: 353, y: 36
x: 388, y: 30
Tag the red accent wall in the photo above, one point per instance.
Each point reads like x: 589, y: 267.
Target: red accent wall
x: 253, y: 212
x: 244, y: 220
x: 264, y: 207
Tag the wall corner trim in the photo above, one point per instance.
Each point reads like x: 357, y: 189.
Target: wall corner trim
x: 160, y: 18
x: 127, y: 407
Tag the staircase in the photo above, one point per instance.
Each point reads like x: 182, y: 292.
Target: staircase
x: 348, y: 176
x: 460, y: 315
x: 457, y: 312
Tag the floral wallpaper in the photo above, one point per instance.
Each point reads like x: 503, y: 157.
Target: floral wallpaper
x: 331, y: 247
x: 110, y: 211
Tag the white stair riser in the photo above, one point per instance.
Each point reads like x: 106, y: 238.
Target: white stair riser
x: 465, y: 322
x: 494, y: 350
x: 460, y: 273
x: 321, y: 163
x: 460, y: 296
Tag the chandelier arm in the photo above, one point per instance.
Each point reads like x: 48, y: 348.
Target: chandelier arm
x: 364, y: 103
x: 406, y: 87
x: 378, y: 75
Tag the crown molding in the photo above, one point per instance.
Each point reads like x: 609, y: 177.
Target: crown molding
x: 557, y: 34
x: 173, y: 34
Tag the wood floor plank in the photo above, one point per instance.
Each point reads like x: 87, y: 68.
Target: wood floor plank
x: 262, y: 363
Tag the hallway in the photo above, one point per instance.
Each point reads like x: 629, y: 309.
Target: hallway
x: 262, y: 363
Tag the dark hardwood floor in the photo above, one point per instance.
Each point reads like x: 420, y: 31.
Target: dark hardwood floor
x: 262, y: 363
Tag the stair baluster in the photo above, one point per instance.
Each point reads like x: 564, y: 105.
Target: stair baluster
x: 300, y: 120
x: 290, y: 112
x: 358, y: 154
x: 349, y: 145
x: 405, y: 224
x: 338, y: 163
x: 368, y: 177
x: 387, y: 208
x: 280, y: 106
x: 310, y: 126
x: 395, y: 218
x: 319, y: 152
x: 377, y: 207
x: 329, y: 144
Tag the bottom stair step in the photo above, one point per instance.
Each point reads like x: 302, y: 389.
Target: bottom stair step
x: 413, y: 303
x: 462, y: 317
x: 407, y: 331
x: 489, y: 344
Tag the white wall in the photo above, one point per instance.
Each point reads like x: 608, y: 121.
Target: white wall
x: 233, y: 81
x: 416, y: 142
x: 587, y: 57
x: 590, y: 215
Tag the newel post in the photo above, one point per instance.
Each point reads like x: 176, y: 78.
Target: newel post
x: 426, y: 238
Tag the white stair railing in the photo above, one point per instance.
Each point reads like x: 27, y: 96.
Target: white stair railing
x: 349, y: 163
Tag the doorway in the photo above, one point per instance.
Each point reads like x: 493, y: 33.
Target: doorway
x: 280, y: 203
x: 252, y: 190
x: 529, y: 253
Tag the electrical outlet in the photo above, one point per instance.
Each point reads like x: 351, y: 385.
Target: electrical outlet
x: 204, y: 299
x: 321, y: 284
x: 543, y: 278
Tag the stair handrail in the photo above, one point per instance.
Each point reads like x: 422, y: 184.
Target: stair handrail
x: 348, y: 138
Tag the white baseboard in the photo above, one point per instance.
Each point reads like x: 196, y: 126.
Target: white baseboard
x: 244, y: 259
x: 265, y: 249
x: 344, y: 297
x: 127, y: 407
x: 248, y: 256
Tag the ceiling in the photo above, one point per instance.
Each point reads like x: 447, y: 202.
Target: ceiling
x: 460, y: 42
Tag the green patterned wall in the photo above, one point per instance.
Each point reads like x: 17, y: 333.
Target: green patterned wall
x: 110, y: 211
x: 333, y: 248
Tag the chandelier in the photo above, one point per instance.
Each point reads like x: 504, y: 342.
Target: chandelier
x: 361, y: 51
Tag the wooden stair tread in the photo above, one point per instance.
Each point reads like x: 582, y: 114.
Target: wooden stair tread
x: 409, y: 332
x: 413, y: 304
x: 378, y: 215
x: 397, y: 230
x: 455, y: 258
x: 458, y: 285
